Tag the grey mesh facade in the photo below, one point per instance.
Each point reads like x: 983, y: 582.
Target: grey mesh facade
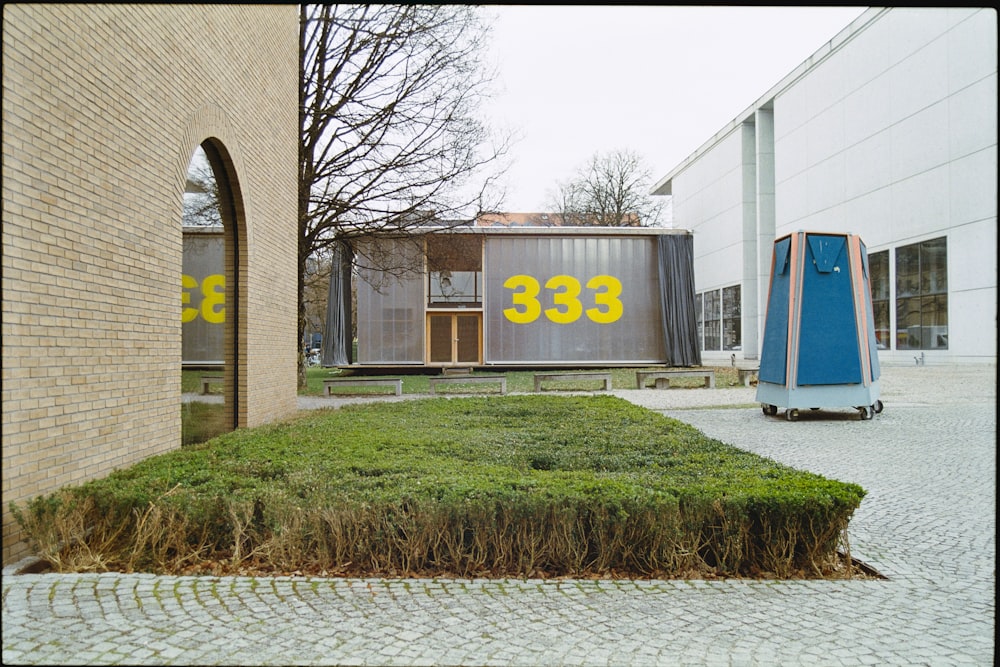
x: 634, y: 337
x: 390, y: 310
x: 526, y: 297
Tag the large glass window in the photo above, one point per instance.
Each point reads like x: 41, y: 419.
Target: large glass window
x: 878, y: 277
x: 732, y: 338
x: 454, y: 271
x: 719, y: 319
x: 713, y: 316
x: 700, y: 319
x: 922, y: 296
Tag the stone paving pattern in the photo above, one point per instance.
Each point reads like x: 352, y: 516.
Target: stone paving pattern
x: 928, y: 523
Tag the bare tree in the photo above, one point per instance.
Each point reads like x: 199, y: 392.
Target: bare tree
x: 610, y: 191
x: 201, y: 193
x: 391, y: 137
x: 314, y: 294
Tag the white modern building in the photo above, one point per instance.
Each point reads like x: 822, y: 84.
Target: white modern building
x: 889, y: 131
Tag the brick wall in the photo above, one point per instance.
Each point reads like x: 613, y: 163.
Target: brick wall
x: 103, y: 106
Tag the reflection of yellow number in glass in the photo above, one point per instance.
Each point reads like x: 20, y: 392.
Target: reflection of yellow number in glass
x: 528, y: 299
x: 213, y: 301
x: 188, y: 313
x: 608, y: 299
x: 567, y: 298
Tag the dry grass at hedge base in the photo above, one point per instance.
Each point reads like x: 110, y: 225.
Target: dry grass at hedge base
x: 513, y: 486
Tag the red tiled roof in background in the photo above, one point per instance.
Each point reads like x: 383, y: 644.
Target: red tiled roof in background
x: 522, y: 219
x: 531, y: 220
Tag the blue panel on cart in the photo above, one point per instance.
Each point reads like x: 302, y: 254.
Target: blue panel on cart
x: 828, y: 342
x: 775, y: 345
x: 825, y: 251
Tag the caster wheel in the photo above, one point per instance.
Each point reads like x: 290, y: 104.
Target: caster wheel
x: 866, y: 413
x: 792, y: 414
x: 877, y: 408
x: 769, y: 410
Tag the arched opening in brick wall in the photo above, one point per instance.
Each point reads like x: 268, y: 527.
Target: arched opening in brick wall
x: 211, y: 280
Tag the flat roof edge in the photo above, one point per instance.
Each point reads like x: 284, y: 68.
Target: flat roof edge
x: 541, y: 231
x: 664, y: 186
x: 564, y: 231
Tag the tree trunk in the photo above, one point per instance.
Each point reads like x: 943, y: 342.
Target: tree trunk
x: 302, y: 380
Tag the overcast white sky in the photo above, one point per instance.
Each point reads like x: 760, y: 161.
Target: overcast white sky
x: 659, y: 80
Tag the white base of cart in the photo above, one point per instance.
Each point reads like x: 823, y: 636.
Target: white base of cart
x: 865, y: 399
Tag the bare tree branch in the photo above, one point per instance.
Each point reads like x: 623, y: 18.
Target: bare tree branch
x: 610, y: 191
x: 201, y: 194
x: 391, y: 137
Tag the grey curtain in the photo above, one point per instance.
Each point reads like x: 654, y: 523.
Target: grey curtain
x: 680, y: 328
x: 337, y: 348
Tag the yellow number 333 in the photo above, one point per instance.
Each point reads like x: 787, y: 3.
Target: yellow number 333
x: 566, y: 299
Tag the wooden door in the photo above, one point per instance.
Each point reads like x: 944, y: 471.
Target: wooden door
x: 454, y: 339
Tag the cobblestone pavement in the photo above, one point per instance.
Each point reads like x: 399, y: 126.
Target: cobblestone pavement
x: 928, y: 523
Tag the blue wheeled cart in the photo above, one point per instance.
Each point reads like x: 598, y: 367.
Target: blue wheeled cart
x: 819, y: 348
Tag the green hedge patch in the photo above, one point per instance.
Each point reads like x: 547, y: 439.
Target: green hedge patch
x: 484, y: 486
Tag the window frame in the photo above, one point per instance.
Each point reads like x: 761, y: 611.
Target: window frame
x: 921, y: 298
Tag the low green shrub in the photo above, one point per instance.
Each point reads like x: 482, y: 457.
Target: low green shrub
x: 484, y: 486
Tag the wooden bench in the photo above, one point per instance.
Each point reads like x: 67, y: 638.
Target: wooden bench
x: 207, y: 380
x: 746, y: 374
x: 395, y: 383
x: 469, y: 379
x: 570, y: 377
x: 662, y: 378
